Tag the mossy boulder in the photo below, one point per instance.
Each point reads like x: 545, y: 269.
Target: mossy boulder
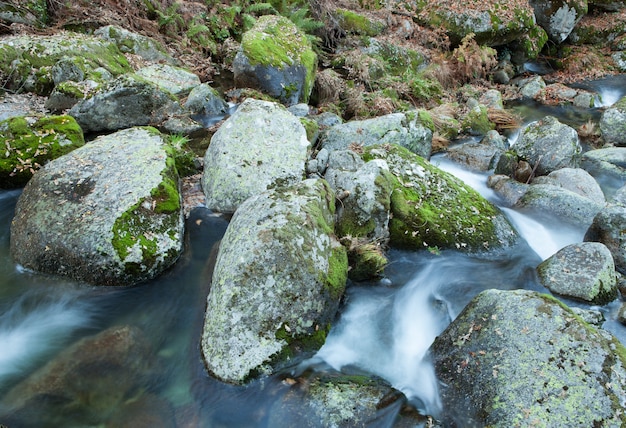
x: 30, y: 142
x: 260, y: 146
x: 27, y: 61
x: 431, y: 208
x: 278, y: 280
x: 354, y: 23
x: 584, y: 271
x: 493, y: 23
x: 107, y: 213
x: 133, y: 43
x: 29, y: 12
x: 519, y: 358
x: 174, y: 80
x: 129, y: 100
x: 559, y: 17
x: 275, y: 57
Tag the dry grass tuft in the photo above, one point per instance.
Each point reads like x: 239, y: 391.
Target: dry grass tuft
x: 589, y: 133
x: 329, y: 86
x: 440, y: 143
x: 503, y: 119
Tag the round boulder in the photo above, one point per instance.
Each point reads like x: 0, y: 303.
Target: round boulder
x: 108, y: 213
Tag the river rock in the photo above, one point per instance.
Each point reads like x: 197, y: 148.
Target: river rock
x: 613, y: 123
x: 431, y: 208
x: 584, y: 271
x: 278, y: 279
x: 107, y: 213
x: 205, y: 100
x: 576, y: 180
x: 260, y: 146
x: 175, y: 80
x: 123, y: 103
x: 519, y: 358
x: 133, y: 43
x: 479, y: 156
x: 548, y: 145
x: 531, y: 87
x: 29, y: 59
x: 275, y: 57
x: 396, y: 128
x: 341, y: 400
x: 559, y: 17
x: 29, y: 142
x: 510, y: 190
x: 89, y: 380
x: 607, y: 228
x: 561, y: 203
x: 607, y: 166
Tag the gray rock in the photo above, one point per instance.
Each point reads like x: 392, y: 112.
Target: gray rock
x: 25, y: 13
x: 607, y: 228
x: 277, y: 283
x: 531, y: 86
x: 129, y: 42
x: 322, y: 161
x: 491, y: 98
x: 475, y: 156
x: 584, y: 271
x: 519, y: 358
x: 260, y: 146
x: 561, y: 203
x: 123, y: 103
x: 395, y: 128
x: 276, y: 58
x: 175, y: 80
x: 205, y: 100
x: 510, y: 190
x: 613, y: 123
x: 559, y: 17
x: 576, y: 180
x: 494, y: 139
x: 107, y: 213
x: 548, y: 145
x: 607, y: 166
x: 299, y: 110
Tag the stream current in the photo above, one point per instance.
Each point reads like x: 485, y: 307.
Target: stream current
x: 384, y: 328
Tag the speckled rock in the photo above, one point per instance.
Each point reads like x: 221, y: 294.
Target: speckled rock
x: 260, y: 146
x: 560, y: 203
x: 123, y: 103
x: 431, y: 208
x: 607, y: 165
x: 395, y: 128
x: 576, y: 180
x: 508, y: 189
x: 607, y: 228
x: 548, y: 145
x: 519, y: 358
x: 108, y: 213
x: 530, y: 87
x: 479, y: 156
x: 204, y: 100
x: 584, y: 271
x: 277, y: 58
x: 613, y: 123
x: 175, y: 80
x: 277, y: 283
x: 559, y: 17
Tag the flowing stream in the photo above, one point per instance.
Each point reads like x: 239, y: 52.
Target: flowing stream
x: 384, y: 328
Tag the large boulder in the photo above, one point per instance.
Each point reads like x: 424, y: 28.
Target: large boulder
x: 607, y: 166
x: 107, y: 213
x: 548, y: 145
x: 607, y: 227
x: 431, y: 208
x: 278, y: 280
x: 576, y: 180
x: 260, y: 146
x: 175, y: 80
x: 613, y: 123
x: 396, y: 128
x: 29, y: 142
x: 584, y: 271
x: 559, y: 17
x: 275, y: 57
x: 128, y: 42
x: 519, y: 358
x: 37, y: 63
x: 125, y: 102
x: 91, y: 380
x: 203, y: 100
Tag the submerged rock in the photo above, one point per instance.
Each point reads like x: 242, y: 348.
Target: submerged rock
x: 108, y: 213
x: 276, y: 58
x: 583, y: 271
x: 260, y: 146
x: 519, y: 358
x: 278, y: 279
x: 29, y: 142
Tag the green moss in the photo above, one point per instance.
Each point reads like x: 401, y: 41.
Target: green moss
x: 355, y: 23
x: 312, y: 129
x: 366, y: 261
x: 337, y: 272
x: 476, y: 122
x: 426, y: 119
x: 30, y: 143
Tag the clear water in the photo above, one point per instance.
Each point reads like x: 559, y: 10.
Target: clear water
x: 384, y: 328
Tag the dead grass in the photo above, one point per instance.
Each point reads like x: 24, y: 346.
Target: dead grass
x: 503, y: 119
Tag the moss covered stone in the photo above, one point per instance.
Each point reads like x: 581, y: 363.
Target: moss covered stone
x: 27, y: 143
x: 355, y: 23
x: 430, y: 207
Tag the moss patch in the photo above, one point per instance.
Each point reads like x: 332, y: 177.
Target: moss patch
x: 28, y: 143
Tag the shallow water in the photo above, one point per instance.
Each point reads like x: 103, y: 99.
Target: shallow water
x: 384, y: 328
